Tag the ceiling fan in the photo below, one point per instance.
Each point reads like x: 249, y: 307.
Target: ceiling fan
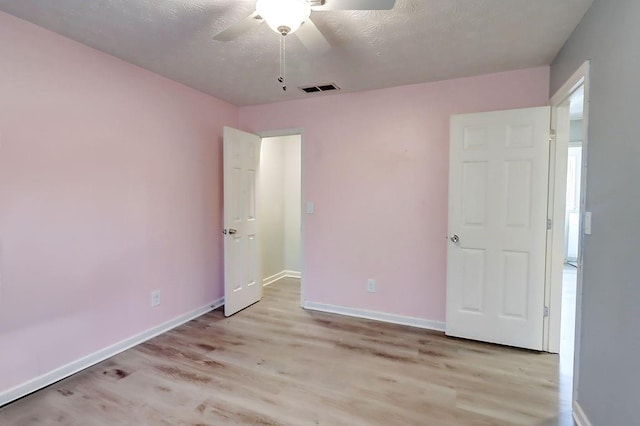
x: 289, y: 16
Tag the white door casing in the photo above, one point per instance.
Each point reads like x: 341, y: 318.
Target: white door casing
x: 242, y: 276
x: 498, y: 186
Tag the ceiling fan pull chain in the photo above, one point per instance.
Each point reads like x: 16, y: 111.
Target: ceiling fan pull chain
x: 281, y: 75
x: 282, y: 63
x: 280, y: 52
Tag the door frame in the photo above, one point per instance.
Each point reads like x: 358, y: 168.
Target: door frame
x: 557, y: 205
x: 291, y: 132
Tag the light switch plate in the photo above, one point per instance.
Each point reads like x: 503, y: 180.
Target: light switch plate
x: 310, y: 207
x: 587, y: 223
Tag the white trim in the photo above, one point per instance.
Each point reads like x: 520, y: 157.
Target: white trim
x: 284, y: 132
x: 292, y: 274
x: 556, y: 202
x: 99, y: 356
x: 280, y: 275
x: 570, y: 86
x: 378, y: 316
x: 273, y: 278
x: 303, y: 215
x: 579, y: 416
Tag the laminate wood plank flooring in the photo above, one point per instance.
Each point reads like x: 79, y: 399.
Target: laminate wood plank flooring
x: 277, y: 364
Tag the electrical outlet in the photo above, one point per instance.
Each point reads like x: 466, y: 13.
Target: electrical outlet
x: 311, y: 208
x: 371, y: 285
x: 155, y: 298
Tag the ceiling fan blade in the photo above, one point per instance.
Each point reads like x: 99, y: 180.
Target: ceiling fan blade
x: 239, y: 28
x: 312, y: 38
x: 352, y: 4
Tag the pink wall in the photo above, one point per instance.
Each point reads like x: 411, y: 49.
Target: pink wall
x: 110, y: 187
x: 376, y: 165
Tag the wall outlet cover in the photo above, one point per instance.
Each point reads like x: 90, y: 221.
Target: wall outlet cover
x: 155, y: 298
x: 311, y: 208
x: 371, y: 285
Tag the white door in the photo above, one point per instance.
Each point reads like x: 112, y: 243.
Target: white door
x: 498, y: 174
x: 242, y: 280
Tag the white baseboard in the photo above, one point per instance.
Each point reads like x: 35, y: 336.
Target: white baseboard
x: 273, y: 278
x: 282, y: 274
x: 579, y: 416
x: 292, y: 274
x: 99, y: 356
x: 378, y: 316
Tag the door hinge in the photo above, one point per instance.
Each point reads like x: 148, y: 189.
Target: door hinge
x: 549, y: 224
x: 546, y: 311
x: 552, y: 135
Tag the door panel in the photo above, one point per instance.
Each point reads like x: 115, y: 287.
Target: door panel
x: 515, y: 284
x: 242, y: 270
x: 497, y: 209
x: 473, y: 284
x: 474, y: 193
x: 518, y: 181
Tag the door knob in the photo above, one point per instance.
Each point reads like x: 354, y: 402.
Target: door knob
x: 455, y: 239
x: 232, y: 231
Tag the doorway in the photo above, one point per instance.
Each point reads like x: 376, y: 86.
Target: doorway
x: 568, y: 226
x: 571, y: 235
x: 280, y: 187
x: 574, y: 173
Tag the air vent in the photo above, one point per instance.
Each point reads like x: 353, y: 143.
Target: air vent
x: 320, y: 88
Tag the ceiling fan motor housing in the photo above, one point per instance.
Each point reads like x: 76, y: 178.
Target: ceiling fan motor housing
x: 284, y: 30
x: 284, y: 16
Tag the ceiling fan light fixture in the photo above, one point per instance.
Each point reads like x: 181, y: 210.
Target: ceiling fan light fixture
x: 284, y: 16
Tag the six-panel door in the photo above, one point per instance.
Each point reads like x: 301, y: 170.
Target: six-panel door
x: 498, y: 210
x: 242, y: 282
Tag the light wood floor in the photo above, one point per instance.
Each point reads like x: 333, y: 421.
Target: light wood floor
x: 275, y: 363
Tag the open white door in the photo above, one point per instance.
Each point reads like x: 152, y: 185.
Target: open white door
x: 242, y: 280
x: 498, y: 175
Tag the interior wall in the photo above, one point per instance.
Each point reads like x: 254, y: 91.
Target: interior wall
x: 280, y: 204
x: 110, y: 187
x: 572, y: 215
x: 575, y: 130
x: 271, y: 207
x: 574, y: 172
x: 292, y: 203
x: 608, y: 373
x: 376, y: 167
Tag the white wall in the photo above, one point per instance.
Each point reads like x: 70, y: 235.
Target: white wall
x: 574, y: 168
x: 575, y: 131
x: 271, y: 207
x: 572, y: 219
x: 292, y: 202
x: 280, y: 204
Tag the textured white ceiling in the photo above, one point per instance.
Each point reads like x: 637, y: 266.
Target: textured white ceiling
x: 417, y: 41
